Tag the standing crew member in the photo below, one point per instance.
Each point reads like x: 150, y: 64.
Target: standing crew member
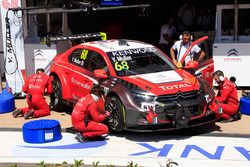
x: 226, y: 102
x: 88, y: 114
x: 35, y: 87
x: 181, y: 46
x: 168, y: 31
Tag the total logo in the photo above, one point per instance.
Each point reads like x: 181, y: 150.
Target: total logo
x: 171, y: 87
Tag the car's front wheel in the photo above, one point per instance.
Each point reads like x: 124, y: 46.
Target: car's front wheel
x: 116, y: 120
x: 56, y: 96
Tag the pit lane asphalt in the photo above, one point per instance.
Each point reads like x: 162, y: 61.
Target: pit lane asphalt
x: 228, y: 131
x: 239, y: 128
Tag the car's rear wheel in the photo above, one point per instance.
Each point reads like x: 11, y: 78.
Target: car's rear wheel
x: 56, y: 96
x: 116, y: 120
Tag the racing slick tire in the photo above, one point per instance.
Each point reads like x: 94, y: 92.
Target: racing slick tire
x: 56, y: 96
x: 116, y: 122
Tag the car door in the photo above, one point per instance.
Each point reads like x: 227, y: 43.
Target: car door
x: 80, y: 82
x: 206, y: 65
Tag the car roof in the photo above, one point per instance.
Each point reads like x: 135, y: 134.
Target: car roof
x: 117, y: 44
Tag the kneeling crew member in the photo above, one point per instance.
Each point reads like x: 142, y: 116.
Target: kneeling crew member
x: 227, y: 97
x: 35, y: 87
x: 88, y: 114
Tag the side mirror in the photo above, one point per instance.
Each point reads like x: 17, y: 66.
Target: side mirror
x: 191, y: 65
x: 100, y: 74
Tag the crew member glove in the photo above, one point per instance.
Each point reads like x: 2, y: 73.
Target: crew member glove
x: 107, y: 114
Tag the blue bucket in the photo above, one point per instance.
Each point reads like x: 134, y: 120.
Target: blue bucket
x: 41, y: 131
x: 245, y: 105
x: 7, y: 102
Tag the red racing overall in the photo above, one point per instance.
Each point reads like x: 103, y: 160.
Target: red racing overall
x: 87, y: 116
x: 227, y: 98
x: 35, y: 87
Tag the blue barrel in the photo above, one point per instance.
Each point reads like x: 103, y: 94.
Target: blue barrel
x: 41, y: 131
x: 245, y: 105
x: 7, y: 102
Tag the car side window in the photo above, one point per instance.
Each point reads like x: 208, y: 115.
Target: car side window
x: 77, y: 58
x: 95, y: 61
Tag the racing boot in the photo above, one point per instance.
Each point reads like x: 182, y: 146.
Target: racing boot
x: 29, y: 114
x: 99, y: 138
x: 17, y: 112
x: 237, y: 116
x: 71, y: 130
x: 227, y: 120
x: 79, y: 137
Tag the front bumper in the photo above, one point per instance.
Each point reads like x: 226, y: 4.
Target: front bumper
x: 170, y: 126
x: 171, y: 115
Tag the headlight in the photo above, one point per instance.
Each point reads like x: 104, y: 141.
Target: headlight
x: 142, y: 97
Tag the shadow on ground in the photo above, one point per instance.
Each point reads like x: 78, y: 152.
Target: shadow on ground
x: 169, y: 135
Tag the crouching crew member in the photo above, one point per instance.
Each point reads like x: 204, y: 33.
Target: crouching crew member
x: 88, y: 114
x: 226, y: 102
x: 35, y: 87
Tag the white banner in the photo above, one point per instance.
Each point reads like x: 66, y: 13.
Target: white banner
x: 234, y: 60
x: 43, y: 57
x: 13, y: 44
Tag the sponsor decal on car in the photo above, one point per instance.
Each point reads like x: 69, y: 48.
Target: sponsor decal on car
x: 78, y: 83
x: 77, y: 61
x: 84, y: 54
x: 177, y: 86
x: 161, y: 77
x: 133, y: 51
x: 121, y: 58
x: 147, y: 106
x: 125, y: 55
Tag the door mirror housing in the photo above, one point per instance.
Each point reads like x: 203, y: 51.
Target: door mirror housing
x: 100, y: 73
x: 192, y: 65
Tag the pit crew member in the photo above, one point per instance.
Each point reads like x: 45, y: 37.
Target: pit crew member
x: 226, y: 101
x: 88, y: 115
x: 180, y: 48
x: 35, y: 87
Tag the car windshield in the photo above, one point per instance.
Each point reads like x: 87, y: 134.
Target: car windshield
x: 139, y: 61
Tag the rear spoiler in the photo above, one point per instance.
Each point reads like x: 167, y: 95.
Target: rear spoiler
x: 100, y: 35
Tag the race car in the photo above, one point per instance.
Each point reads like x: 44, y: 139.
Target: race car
x: 144, y: 89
